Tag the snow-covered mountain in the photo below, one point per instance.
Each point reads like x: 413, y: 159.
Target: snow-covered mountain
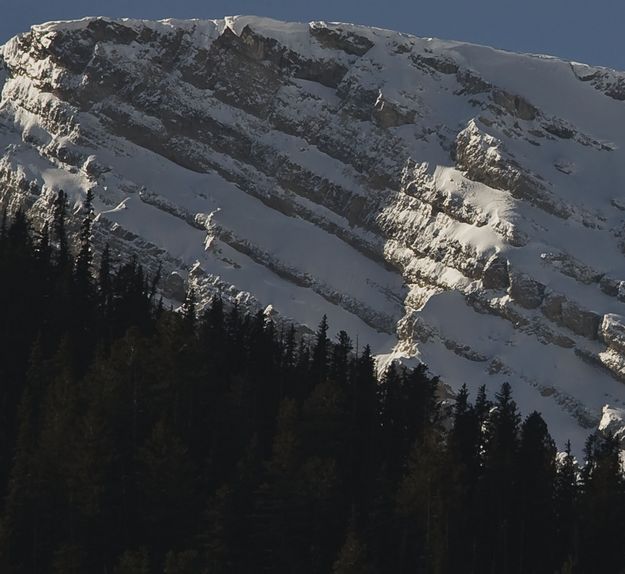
x: 443, y: 201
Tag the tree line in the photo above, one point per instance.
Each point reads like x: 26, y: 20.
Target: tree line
x: 136, y: 440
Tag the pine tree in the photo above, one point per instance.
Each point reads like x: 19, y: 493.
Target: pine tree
x: 104, y: 300
x: 185, y: 562
x: 499, y: 482
x: 67, y: 560
x: 84, y: 257
x: 290, y: 349
x: 536, y: 476
x: 24, y: 503
x: 602, y: 536
x: 419, y: 397
x: 20, y: 308
x: 288, y: 364
x: 320, y: 351
x: 3, y: 229
x: 59, y: 215
x: 189, y: 312
x: 482, y: 407
x: 464, y: 445
x: 213, y: 331
x: 111, y: 452
x: 566, y: 502
x: 104, y: 277
x: 44, y: 249
x: 422, y: 505
x: 133, y: 562
x: 352, y: 558
x: 279, y: 521
x: 364, y: 440
x: 394, y: 443
x: 464, y: 440
x: 168, y: 482
x: 218, y: 531
x: 340, y: 358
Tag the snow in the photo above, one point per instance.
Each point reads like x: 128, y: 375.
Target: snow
x: 269, y: 228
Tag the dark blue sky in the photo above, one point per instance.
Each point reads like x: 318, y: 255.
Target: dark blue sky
x: 583, y: 30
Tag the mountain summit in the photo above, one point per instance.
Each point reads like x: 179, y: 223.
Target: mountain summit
x: 446, y: 202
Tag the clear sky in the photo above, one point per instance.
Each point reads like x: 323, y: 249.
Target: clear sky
x: 591, y: 31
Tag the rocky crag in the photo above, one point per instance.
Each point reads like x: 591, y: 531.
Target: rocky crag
x: 442, y: 201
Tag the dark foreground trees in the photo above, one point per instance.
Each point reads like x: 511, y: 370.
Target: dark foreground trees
x: 137, y: 440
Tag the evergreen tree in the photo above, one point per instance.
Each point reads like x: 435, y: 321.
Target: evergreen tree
x: 464, y: 445
x: 536, y: 476
x: 104, y: 279
x: 189, y: 311
x: 59, y: 216
x: 422, y: 505
x: 20, y: 543
x: 501, y: 505
x: 84, y: 257
x: 602, y: 535
x: 133, y: 562
x: 3, y: 229
x: 419, y: 397
x: 352, y: 558
x: 168, y: 484
x: 67, y: 560
x: 185, y: 562
x: 394, y: 444
x: 364, y: 440
x: 219, y: 530
x: 320, y: 351
x: 465, y: 436
x: 146, y: 441
x: 566, y: 503
x: 339, y: 361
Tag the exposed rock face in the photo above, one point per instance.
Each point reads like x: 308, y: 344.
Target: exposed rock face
x: 613, y: 422
x: 525, y: 291
x: 338, y: 38
x: 610, y: 82
x: 496, y: 274
x: 174, y: 287
x: 390, y: 115
x: 485, y: 159
x: 580, y: 321
x: 613, y: 331
x: 439, y: 200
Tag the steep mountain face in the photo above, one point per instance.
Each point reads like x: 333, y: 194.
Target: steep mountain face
x: 443, y: 201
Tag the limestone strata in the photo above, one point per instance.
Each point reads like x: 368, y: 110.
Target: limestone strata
x: 416, y: 191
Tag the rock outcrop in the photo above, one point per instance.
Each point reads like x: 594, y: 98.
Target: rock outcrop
x: 439, y: 200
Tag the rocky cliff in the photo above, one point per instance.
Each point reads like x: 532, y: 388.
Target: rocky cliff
x: 442, y: 201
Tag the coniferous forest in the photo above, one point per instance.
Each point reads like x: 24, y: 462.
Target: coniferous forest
x: 137, y: 440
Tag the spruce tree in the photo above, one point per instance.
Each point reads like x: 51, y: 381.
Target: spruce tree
x: 536, y: 476
x: 84, y: 257
x: 602, y: 535
x: 339, y: 360
x: 189, y: 312
x: 320, y: 352
x: 133, y: 562
x: 395, y: 445
x: 567, y: 511
x: 464, y: 443
x: 352, y: 558
x: 167, y: 477
x: 501, y: 505
x: 59, y: 216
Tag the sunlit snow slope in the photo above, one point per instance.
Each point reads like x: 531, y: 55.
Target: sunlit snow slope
x: 443, y: 201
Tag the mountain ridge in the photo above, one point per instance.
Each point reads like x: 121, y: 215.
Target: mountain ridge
x: 471, y: 199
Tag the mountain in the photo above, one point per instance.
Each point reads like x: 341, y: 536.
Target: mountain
x: 443, y: 201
